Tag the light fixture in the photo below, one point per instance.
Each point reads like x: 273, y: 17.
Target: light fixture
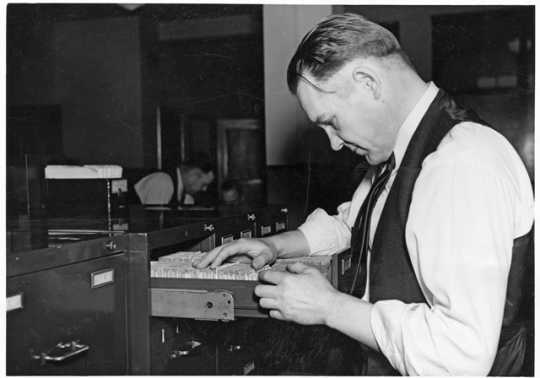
x: 130, y: 7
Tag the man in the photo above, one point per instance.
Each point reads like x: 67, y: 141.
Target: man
x: 439, y: 215
x: 179, y: 186
x: 231, y: 193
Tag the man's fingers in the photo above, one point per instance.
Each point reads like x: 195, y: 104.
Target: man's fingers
x: 207, y: 258
x: 238, y: 247
x: 266, y: 291
x: 216, y: 256
x: 269, y: 303
x: 240, y: 258
x: 253, y: 251
x: 260, y: 261
x: 297, y: 267
x: 276, y: 314
x: 272, y: 276
x: 227, y: 251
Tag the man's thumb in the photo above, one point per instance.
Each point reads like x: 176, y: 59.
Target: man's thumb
x: 259, y: 262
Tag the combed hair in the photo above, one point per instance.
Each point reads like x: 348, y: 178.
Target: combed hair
x: 336, y: 40
x: 200, y: 162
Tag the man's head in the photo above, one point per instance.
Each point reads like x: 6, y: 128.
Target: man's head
x: 349, y: 74
x: 196, y: 176
x: 231, y: 193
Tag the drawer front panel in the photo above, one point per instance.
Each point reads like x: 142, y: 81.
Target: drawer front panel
x: 54, y: 308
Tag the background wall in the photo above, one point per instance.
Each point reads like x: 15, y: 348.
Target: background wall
x: 291, y: 143
x: 29, y: 57
x: 98, y: 82
x: 109, y: 69
x: 509, y: 110
x: 283, y: 28
x: 414, y: 26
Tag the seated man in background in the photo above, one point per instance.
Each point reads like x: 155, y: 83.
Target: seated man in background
x: 179, y: 186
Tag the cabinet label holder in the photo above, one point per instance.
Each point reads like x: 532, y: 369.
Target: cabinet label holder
x: 101, y: 278
x: 14, y: 302
x: 193, y: 304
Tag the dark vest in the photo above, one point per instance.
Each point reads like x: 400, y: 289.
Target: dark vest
x: 174, y: 176
x: 390, y: 257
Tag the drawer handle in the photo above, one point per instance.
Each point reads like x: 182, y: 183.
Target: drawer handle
x: 110, y: 245
x: 62, y: 352
x: 284, y: 210
x: 251, y: 217
x: 234, y: 347
x: 209, y: 227
x: 185, y: 349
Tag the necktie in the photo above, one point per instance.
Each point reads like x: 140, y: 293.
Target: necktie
x: 361, y: 228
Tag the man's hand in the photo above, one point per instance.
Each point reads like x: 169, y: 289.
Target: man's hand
x: 260, y: 252
x: 302, y: 295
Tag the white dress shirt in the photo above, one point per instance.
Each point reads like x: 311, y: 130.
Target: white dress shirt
x: 158, y: 189
x: 155, y: 189
x: 472, y: 198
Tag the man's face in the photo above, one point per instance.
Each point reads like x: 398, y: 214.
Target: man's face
x: 231, y: 196
x: 195, y: 180
x: 349, y: 113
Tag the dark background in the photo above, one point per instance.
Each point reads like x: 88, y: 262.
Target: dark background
x: 84, y: 82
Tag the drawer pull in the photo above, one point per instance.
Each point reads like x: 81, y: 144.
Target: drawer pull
x: 233, y: 348
x: 186, y: 349
x: 110, y: 245
x: 62, y: 352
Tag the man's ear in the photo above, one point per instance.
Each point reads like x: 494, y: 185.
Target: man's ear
x: 368, y: 79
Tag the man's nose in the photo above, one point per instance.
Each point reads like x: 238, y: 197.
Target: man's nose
x: 335, y: 141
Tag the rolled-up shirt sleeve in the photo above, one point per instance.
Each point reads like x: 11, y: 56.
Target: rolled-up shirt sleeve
x: 460, y: 230
x: 327, y: 234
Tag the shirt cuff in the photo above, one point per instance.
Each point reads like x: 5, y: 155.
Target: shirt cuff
x: 325, y: 235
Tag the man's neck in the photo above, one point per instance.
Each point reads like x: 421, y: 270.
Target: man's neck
x: 408, y: 90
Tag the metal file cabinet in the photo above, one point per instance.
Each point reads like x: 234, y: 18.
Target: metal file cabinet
x: 193, y: 346
x: 171, y: 339
x: 152, y: 234
x: 97, y: 292
x: 185, y: 346
x: 265, y: 221
x: 66, y: 309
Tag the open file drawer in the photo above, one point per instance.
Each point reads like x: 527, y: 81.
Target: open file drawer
x: 178, y: 290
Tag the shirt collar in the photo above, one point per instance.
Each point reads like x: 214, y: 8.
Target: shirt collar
x: 408, y: 127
